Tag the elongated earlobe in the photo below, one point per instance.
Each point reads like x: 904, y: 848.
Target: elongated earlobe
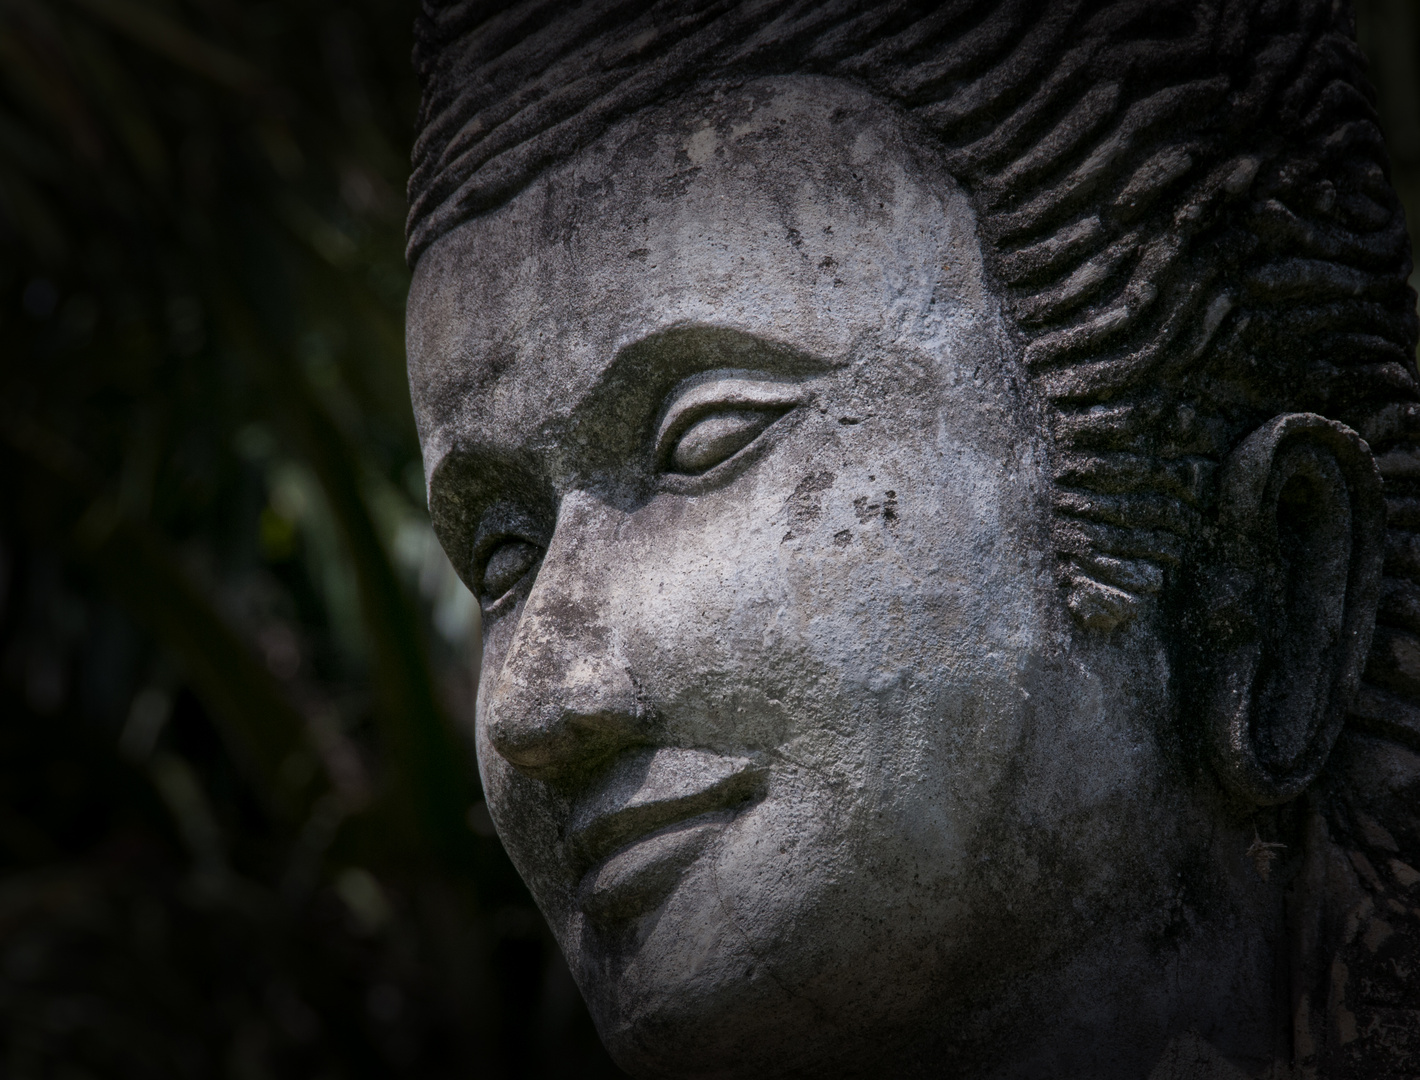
x: 1282, y: 623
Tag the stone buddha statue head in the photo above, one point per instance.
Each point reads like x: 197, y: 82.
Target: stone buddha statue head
x: 933, y: 474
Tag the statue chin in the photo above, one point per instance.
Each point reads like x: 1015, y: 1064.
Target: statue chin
x: 857, y: 697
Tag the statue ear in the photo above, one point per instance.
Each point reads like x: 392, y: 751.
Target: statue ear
x: 1284, y: 617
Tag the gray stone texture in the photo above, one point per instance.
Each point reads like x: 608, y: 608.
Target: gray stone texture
x: 939, y: 479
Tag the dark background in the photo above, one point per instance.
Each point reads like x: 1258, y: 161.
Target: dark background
x: 240, y: 829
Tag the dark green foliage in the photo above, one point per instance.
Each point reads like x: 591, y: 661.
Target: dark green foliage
x: 235, y: 831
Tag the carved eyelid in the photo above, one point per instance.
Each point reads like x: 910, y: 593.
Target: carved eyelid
x: 702, y: 395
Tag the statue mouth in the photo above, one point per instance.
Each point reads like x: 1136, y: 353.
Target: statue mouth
x: 649, y: 819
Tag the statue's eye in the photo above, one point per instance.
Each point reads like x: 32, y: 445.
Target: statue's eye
x: 717, y: 437
x: 507, y: 564
x: 710, y: 418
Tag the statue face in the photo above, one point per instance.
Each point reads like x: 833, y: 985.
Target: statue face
x: 779, y: 716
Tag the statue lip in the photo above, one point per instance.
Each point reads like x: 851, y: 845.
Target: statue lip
x: 650, y: 789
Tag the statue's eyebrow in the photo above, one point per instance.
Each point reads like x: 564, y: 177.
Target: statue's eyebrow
x: 623, y: 411
x: 651, y: 366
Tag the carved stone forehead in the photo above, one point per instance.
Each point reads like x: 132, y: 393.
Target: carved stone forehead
x: 510, y: 90
x: 797, y: 211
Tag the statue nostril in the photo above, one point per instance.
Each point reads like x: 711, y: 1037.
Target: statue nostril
x: 568, y: 743
x: 572, y: 727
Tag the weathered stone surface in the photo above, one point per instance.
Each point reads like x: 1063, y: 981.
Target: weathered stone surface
x: 909, y: 462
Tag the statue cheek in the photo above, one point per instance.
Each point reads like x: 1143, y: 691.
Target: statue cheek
x: 713, y: 629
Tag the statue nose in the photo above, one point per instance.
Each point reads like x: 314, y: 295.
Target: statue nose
x: 550, y: 727
x: 564, y: 700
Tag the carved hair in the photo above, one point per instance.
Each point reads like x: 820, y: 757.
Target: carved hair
x: 1185, y: 204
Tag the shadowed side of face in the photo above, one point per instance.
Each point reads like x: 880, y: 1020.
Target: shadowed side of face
x: 777, y: 715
